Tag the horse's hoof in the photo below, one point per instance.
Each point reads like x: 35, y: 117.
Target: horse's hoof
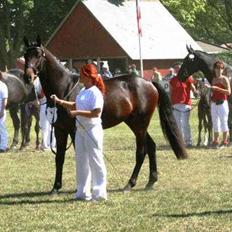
x: 127, y: 188
x: 54, y: 191
x: 13, y: 148
x: 149, y: 188
x: 26, y: 144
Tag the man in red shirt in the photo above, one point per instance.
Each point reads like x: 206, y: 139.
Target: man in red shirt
x: 182, y: 103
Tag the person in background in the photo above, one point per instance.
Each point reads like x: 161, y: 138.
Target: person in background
x: 220, y: 89
x: 133, y: 71
x: 170, y: 74
x: 156, y: 76
x: 182, y: 104
x: 106, y: 74
x: 3, y: 103
x: 117, y: 71
x: 44, y: 124
x: 90, y: 165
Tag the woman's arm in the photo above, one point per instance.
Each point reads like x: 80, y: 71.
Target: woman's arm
x: 227, y: 90
x: 86, y: 113
x: 67, y: 104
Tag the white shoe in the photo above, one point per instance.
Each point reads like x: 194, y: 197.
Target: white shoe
x: 79, y: 198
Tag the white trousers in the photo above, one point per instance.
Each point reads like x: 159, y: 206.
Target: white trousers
x: 219, y: 114
x: 90, y: 164
x: 3, y: 133
x: 182, y: 113
x: 45, y: 127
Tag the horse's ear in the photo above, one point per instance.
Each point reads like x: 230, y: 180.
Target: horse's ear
x: 191, y: 49
x: 38, y: 40
x: 188, y: 48
x: 26, y: 42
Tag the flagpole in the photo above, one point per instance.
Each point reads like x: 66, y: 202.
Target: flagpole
x: 140, y: 56
x: 138, y: 12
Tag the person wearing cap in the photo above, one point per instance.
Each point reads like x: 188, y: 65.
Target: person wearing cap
x: 106, y: 74
x: 90, y: 165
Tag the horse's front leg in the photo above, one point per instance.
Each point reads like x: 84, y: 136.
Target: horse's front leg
x: 37, y: 129
x: 199, y: 130
x: 61, y: 143
x: 140, y: 155
x: 209, y: 127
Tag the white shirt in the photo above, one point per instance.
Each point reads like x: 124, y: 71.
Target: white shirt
x: 3, y: 92
x: 39, y: 91
x: 89, y: 99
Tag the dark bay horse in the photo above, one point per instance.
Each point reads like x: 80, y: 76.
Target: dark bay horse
x: 201, y: 61
x: 21, y: 98
x: 130, y: 100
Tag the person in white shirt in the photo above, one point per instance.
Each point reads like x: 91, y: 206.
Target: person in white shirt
x: 44, y: 124
x: 3, y: 103
x: 90, y: 165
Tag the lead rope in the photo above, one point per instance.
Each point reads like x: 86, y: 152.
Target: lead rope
x: 51, y: 133
x: 53, y: 121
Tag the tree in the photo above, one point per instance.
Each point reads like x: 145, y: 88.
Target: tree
x: 207, y: 20
x: 27, y: 17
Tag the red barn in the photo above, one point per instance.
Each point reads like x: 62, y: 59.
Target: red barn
x: 100, y: 30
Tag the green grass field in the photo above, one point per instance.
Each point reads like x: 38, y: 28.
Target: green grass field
x: 190, y: 195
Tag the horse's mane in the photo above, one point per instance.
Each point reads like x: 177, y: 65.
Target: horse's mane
x: 57, y: 61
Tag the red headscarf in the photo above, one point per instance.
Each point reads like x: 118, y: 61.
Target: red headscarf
x: 90, y: 71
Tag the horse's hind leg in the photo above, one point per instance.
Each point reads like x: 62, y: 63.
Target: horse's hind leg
x: 25, y: 129
x: 16, y: 123
x: 151, y: 150
x: 140, y: 155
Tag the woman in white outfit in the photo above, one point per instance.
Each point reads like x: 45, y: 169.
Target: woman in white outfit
x: 90, y: 165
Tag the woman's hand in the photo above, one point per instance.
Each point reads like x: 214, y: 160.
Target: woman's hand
x: 54, y: 98
x: 207, y: 86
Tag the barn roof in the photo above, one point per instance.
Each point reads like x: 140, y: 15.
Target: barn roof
x: 163, y: 37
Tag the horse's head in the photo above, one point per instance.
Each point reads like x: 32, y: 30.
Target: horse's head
x: 34, y: 58
x: 190, y: 64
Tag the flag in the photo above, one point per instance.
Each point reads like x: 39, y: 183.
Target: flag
x: 138, y: 18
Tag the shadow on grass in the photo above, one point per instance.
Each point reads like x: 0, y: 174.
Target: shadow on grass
x: 200, y: 214
x: 22, y: 198
x: 32, y: 198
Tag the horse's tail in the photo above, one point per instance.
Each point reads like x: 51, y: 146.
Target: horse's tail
x: 168, y: 123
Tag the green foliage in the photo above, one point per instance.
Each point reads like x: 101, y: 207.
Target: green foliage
x: 226, y: 57
x: 27, y: 17
x: 207, y: 20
